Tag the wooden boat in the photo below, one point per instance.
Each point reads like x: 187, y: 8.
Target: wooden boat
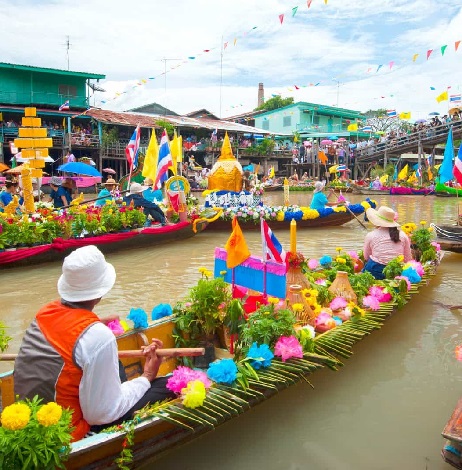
x: 332, y: 220
x: 273, y: 187
x: 59, y: 248
x: 452, y: 449
x: 370, y: 191
x: 449, y: 237
x: 175, y: 425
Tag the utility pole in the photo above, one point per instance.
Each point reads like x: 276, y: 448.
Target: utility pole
x: 165, y: 78
x: 68, y: 45
x: 338, y: 89
x: 221, y: 71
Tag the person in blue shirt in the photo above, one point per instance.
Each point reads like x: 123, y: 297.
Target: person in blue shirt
x: 152, y: 195
x: 59, y: 196
x: 107, y: 193
x: 319, y: 201
x: 6, y: 196
x: 149, y: 208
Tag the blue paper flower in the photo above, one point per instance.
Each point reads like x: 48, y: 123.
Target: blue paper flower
x: 223, y: 371
x: 325, y: 211
x: 261, y: 356
x: 139, y: 317
x: 325, y: 260
x: 161, y: 311
x: 412, y: 275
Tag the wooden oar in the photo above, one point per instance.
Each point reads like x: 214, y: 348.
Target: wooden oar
x: 165, y: 352
x: 351, y: 212
x: 87, y: 201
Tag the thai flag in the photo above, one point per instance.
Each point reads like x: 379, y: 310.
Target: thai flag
x: 64, y: 106
x: 455, y: 98
x: 418, y: 172
x: 341, y: 168
x: 165, y: 161
x: 131, y: 150
x: 458, y: 166
x: 367, y: 129
x: 214, y: 137
x: 391, y: 113
x: 272, y: 249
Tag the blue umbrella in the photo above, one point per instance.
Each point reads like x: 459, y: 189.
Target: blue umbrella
x: 79, y: 168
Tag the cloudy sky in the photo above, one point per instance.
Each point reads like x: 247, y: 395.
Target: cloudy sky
x: 357, y: 54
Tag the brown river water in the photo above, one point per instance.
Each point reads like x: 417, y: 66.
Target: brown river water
x: 385, y: 409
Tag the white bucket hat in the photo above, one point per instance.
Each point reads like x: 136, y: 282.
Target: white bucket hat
x: 383, y: 217
x: 318, y: 186
x: 56, y: 180
x: 86, y: 275
x: 136, y: 188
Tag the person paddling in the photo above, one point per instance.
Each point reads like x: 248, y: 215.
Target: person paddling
x: 69, y: 355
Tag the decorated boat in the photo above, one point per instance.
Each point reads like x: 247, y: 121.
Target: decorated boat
x: 452, y: 432
x: 308, y: 327
x: 449, y: 237
x: 394, y: 190
x: 443, y: 190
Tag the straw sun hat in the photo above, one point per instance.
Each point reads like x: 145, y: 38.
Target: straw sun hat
x: 86, y: 275
x: 110, y: 181
x: 383, y: 217
x: 318, y: 186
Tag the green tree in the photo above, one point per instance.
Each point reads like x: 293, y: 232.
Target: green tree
x: 381, y: 122
x: 275, y: 103
x: 167, y: 126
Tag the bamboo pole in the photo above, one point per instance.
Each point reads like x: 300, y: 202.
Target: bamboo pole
x: 165, y: 352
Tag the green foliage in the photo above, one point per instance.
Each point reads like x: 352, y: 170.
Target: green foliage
x: 36, y: 446
x: 4, y: 338
x: 110, y: 135
x: 234, y: 316
x: 275, y: 103
x: 265, y: 147
x: 393, y: 268
x: 266, y: 325
x: 167, y: 126
x: 361, y: 282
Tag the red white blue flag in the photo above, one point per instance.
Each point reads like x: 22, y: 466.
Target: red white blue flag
x: 458, y: 166
x: 272, y: 249
x: 164, y: 162
x: 64, y: 106
x: 131, y: 150
x: 391, y: 113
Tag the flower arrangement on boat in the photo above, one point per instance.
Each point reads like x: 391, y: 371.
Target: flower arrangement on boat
x: 34, y: 435
x: 288, y: 213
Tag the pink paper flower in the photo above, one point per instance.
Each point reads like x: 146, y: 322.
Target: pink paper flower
x: 380, y: 294
x: 322, y: 319
x: 338, y: 303
x: 183, y: 375
x: 313, y: 263
x: 320, y: 282
x: 371, y: 302
x: 288, y: 347
x: 437, y: 246
x: 408, y: 283
x: 416, y: 265
x: 353, y: 254
x: 116, y: 327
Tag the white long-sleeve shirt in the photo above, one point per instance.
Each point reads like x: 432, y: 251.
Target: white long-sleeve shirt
x: 103, y: 398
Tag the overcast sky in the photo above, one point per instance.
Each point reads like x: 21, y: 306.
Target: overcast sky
x: 357, y: 54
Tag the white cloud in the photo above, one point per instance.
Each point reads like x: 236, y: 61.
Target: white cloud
x: 340, y: 40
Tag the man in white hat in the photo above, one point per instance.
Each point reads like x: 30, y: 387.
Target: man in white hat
x: 69, y: 356
x: 149, y: 208
x: 319, y: 200
x: 384, y: 243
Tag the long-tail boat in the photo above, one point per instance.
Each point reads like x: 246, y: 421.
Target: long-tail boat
x: 172, y: 424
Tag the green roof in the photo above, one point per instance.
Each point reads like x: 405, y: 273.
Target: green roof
x: 319, y: 108
x: 30, y: 68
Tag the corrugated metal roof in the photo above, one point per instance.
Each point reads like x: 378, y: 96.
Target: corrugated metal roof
x: 148, y: 120
x: 6, y: 65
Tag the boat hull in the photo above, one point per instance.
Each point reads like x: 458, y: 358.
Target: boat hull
x: 332, y: 220
x: 449, y: 237
x: 108, y: 243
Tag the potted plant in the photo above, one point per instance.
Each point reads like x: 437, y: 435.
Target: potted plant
x: 199, y: 317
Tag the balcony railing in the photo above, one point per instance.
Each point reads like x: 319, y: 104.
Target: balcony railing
x: 42, y: 98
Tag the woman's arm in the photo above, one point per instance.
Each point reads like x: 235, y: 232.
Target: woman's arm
x: 367, y: 250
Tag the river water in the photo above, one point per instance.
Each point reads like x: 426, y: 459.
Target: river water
x: 385, y: 409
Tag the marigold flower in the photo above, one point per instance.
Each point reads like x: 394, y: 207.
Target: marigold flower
x: 15, y: 416
x: 49, y: 414
x: 339, y: 249
x: 423, y: 222
x: 297, y: 307
x: 273, y: 300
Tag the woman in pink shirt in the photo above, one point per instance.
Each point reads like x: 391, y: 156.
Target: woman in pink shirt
x: 385, y: 243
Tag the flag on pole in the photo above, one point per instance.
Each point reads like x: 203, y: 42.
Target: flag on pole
x: 214, y: 137
x: 405, y: 115
x: 271, y: 246
x: 164, y: 162
x: 455, y: 98
x: 236, y: 247
x: 458, y: 166
x: 367, y: 129
x: 442, y: 97
x: 391, y: 113
x: 131, y: 150
x: 445, y: 170
x: 403, y: 173
x: 352, y: 127
x: 64, y: 106
x: 151, y: 157
x: 176, y: 151
x: 271, y: 172
x: 418, y: 172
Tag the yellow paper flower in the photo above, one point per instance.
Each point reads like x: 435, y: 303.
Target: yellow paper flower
x: 280, y: 216
x: 400, y: 258
x: 15, y: 416
x: 49, y: 414
x: 366, y: 205
x: 193, y: 394
x: 124, y: 325
x: 309, y: 214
